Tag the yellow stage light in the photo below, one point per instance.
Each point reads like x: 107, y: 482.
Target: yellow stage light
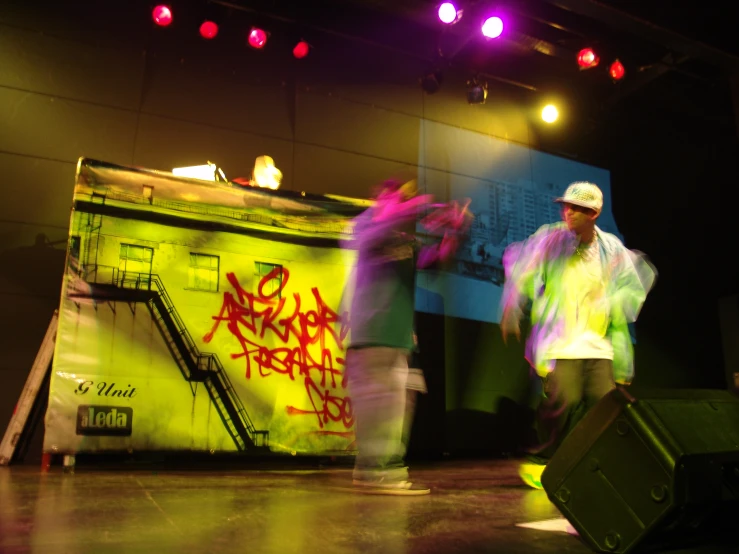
x: 550, y: 113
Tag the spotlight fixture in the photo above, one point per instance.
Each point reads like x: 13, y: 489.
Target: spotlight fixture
x: 301, y: 50
x: 257, y: 38
x: 431, y: 82
x: 208, y: 30
x: 550, y: 113
x: 477, y: 92
x: 162, y: 15
x: 449, y: 14
x: 617, y: 70
x: 587, y: 58
x: 493, y: 27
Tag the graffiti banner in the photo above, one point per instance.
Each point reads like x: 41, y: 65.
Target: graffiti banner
x: 202, y: 316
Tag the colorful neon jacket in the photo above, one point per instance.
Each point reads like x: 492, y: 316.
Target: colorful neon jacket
x: 533, y: 270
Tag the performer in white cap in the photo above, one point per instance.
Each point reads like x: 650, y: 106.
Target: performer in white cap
x: 585, y: 287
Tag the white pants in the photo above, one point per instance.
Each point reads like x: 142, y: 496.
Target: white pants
x: 383, y: 400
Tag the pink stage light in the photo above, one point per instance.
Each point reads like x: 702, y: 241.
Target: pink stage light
x: 587, y: 58
x: 301, y: 50
x: 448, y: 13
x: 162, y: 15
x: 493, y: 27
x: 617, y: 71
x: 208, y: 30
x: 257, y: 38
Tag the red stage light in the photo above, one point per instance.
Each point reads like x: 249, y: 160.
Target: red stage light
x: 162, y: 15
x: 208, y: 29
x: 257, y: 38
x: 301, y: 50
x: 587, y: 58
x: 617, y: 71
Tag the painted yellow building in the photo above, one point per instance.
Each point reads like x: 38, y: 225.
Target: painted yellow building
x: 201, y: 316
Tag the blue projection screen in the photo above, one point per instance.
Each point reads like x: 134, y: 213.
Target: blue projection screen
x: 512, y: 189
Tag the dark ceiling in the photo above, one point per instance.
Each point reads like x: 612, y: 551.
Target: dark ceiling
x: 677, y: 57
x: 635, y: 30
x: 652, y: 39
x: 679, y: 60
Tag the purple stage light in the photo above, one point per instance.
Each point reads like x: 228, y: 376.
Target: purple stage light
x: 493, y: 27
x: 447, y: 13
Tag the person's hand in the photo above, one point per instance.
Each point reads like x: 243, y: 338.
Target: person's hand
x: 464, y: 217
x: 509, y: 325
x: 392, y: 206
x: 427, y: 256
x: 449, y: 217
x: 448, y: 246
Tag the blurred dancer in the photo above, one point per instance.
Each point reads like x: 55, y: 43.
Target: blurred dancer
x: 382, y: 328
x: 585, y: 287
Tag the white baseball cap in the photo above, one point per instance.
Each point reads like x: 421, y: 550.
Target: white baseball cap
x: 585, y: 194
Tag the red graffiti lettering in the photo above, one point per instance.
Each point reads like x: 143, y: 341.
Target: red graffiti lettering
x: 307, y: 339
x: 328, y: 408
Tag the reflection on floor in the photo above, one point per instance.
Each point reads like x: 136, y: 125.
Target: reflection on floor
x: 475, y: 507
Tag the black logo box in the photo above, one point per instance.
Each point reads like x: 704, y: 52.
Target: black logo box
x: 116, y: 421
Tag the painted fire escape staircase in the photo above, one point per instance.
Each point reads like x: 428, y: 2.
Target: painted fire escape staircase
x: 196, y: 366
x: 112, y: 285
x: 93, y: 223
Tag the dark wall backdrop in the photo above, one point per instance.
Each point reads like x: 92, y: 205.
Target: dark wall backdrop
x: 77, y: 80
x: 675, y: 194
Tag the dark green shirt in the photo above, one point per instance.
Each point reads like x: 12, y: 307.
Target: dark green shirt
x: 383, y: 307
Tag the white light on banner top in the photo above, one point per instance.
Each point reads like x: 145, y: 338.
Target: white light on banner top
x: 207, y: 172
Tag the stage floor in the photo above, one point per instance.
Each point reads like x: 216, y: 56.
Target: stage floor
x: 474, y: 507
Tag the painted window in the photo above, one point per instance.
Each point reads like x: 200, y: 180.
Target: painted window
x: 203, y: 272
x: 261, y: 270
x: 135, y: 259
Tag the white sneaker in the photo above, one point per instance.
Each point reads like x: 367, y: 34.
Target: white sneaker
x: 397, y: 488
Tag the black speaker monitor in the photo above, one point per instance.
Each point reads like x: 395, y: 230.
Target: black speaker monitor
x: 656, y: 472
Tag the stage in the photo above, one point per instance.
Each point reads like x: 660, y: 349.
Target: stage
x: 277, y: 507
